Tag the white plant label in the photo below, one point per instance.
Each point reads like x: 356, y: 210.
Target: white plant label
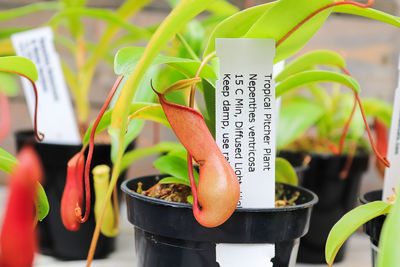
x: 245, y: 132
x: 392, y: 174
x: 55, y: 114
x: 246, y: 117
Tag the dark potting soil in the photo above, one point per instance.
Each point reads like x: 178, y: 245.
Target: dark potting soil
x: 180, y: 193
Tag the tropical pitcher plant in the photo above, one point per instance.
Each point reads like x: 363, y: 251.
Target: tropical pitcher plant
x: 291, y: 23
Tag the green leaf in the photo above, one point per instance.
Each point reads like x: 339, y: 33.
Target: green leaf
x: 6, y: 33
x: 148, y: 111
x: 309, y: 61
x: 320, y: 96
x: 41, y: 202
x: 127, y: 58
x: 29, y: 9
x: 369, y: 13
x: 139, y: 153
x: 284, y: 172
x: 190, y: 199
x: 315, y: 76
x: 100, y: 14
x: 274, y: 21
x: 179, y: 152
x: 223, y: 8
x: 186, y: 48
x: 174, y: 180
x: 376, y: 108
x: 341, y: 109
x: 209, y: 100
x: 19, y: 65
x: 180, y: 85
x: 183, y: 13
x: 7, y: 161
x: 194, y: 33
x: 282, y: 18
x: 173, y: 3
x: 143, y: 94
x: 389, y: 255
x: 236, y: 26
x: 295, y: 117
x: 8, y: 85
x: 175, y: 167
x: 349, y: 223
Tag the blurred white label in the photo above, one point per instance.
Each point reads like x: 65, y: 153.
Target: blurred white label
x: 55, y: 114
x: 246, y: 116
x: 392, y: 174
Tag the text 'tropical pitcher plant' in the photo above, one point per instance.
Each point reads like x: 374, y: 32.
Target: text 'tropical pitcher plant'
x: 290, y: 22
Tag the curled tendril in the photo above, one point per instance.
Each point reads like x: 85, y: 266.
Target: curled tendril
x: 378, y: 155
x: 38, y: 135
x: 78, y: 211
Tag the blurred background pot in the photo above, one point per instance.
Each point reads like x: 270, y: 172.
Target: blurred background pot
x: 373, y: 227
x: 54, y: 239
x: 336, y: 196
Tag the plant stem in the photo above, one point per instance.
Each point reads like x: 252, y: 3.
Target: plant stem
x: 187, y: 47
x: 383, y: 159
x: 350, y: 156
x: 116, y: 210
x: 114, y: 178
x: 202, y: 65
x: 346, y: 127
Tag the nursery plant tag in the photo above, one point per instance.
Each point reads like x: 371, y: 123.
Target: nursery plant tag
x: 55, y: 114
x: 246, y: 116
x: 392, y: 174
x: 245, y: 132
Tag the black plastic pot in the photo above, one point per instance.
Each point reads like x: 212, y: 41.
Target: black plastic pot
x: 373, y: 227
x: 166, y: 233
x: 336, y: 197
x: 55, y: 240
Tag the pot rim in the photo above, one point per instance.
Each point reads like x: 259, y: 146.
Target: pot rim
x: 131, y: 193
x: 362, y: 198
x: 364, y: 154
